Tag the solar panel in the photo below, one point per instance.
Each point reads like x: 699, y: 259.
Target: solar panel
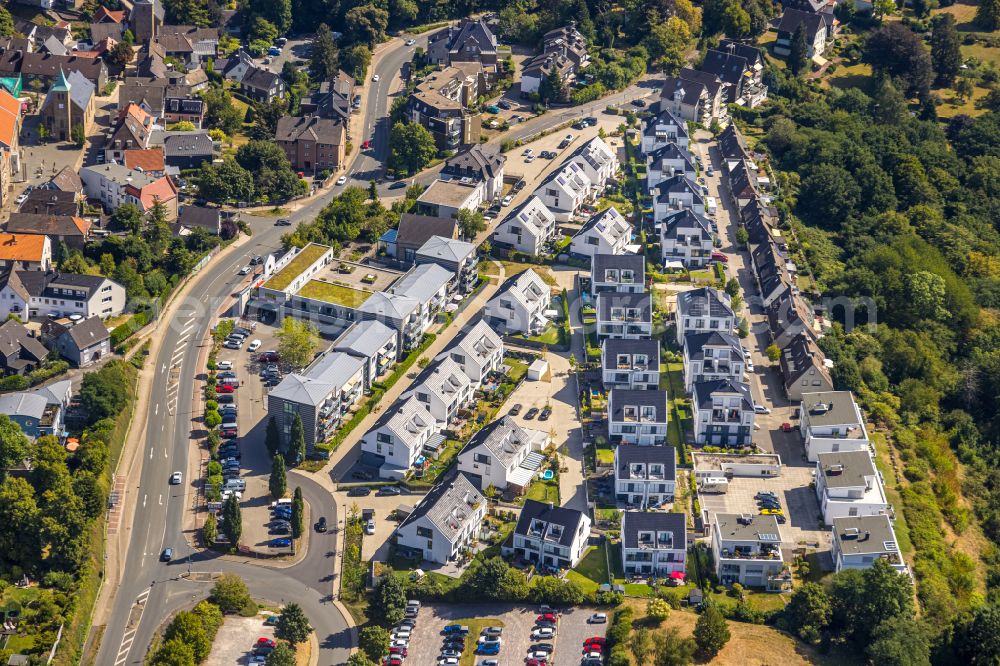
x: 890, y: 546
x: 768, y: 537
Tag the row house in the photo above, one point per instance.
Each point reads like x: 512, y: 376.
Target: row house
x: 645, y: 476
x: 703, y: 310
x: 553, y: 537
x: 312, y: 144
x: 505, y: 455
x: 620, y: 273
x: 686, y: 239
x: 831, y: 422
x: 630, y: 364
x: 637, y: 417
x: 654, y: 544
x: 628, y: 316
x: 723, y: 413
x: 712, y: 356
x: 444, y: 523
x: 444, y: 391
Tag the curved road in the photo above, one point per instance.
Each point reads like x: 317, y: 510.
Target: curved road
x: 157, y: 589
x: 150, y: 590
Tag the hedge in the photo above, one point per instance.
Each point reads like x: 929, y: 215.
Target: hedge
x: 120, y: 333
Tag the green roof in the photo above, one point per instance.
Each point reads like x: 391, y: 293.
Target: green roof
x: 337, y: 294
x: 306, y: 257
x: 61, y: 84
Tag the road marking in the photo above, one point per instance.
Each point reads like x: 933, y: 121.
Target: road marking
x: 188, y: 327
x: 163, y: 368
x: 151, y: 453
x: 144, y: 500
x: 160, y: 501
x: 156, y: 409
x: 128, y: 637
x: 181, y: 339
x: 164, y: 453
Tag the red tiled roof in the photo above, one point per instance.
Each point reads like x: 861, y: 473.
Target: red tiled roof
x: 148, y: 160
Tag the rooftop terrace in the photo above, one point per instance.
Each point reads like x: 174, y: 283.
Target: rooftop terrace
x: 303, y: 260
x: 330, y: 292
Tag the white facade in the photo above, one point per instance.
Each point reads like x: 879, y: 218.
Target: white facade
x: 645, y: 476
x: 478, y: 353
x: 630, y: 364
x: 703, y: 310
x: 551, y: 536
x: 528, y: 228
x: 624, y: 316
x: 653, y: 544
x: 663, y: 129
x: 831, y: 422
x: 399, y: 437
x: 637, y: 417
x: 859, y: 542
x: 446, y: 521
x: 746, y: 549
x: 565, y: 191
x: 606, y: 232
x: 686, y: 237
x: 520, y: 305
x: 104, y: 299
x: 444, y: 392
x: 444, y: 198
x: 711, y: 356
x: 848, y: 485
x: 501, y: 455
x: 596, y: 160
x: 723, y: 413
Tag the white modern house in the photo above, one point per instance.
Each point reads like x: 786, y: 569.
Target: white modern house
x: 831, y: 422
x: 623, y: 273
x: 428, y: 285
x: 859, y: 541
x: 37, y: 294
x: 654, y: 543
x: 444, y: 198
x: 703, y: 310
x: 630, y: 364
x: 504, y: 455
x: 637, y: 417
x: 667, y: 161
x: 723, y: 413
x: 686, y: 237
x: 674, y: 194
x: 606, y: 232
x: 596, y: 160
x: 520, y: 305
x: 478, y: 352
x: 444, y: 391
x: 848, y: 485
x: 712, y: 356
x: 747, y: 550
x: 565, y: 190
x: 444, y: 523
x: 661, y: 129
x: 374, y: 342
x: 398, y: 438
x: 645, y: 476
x: 628, y: 316
x: 553, y: 537
x: 528, y: 228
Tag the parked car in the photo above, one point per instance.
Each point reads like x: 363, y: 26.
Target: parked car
x: 411, y: 42
x: 598, y: 618
x: 639, y: 103
x: 504, y: 104
x: 341, y: 180
x: 761, y: 409
x: 280, y: 543
x: 224, y: 365
x: 719, y: 256
x: 543, y: 632
x: 531, y: 413
x: 224, y: 388
x: 488, y: 648
x: 175, y: 478
x: 506, y: 200
x: 246, y: 270
x: 545, y: 413
x: 516, y: 409
x: 370, y: 527
x: 359, y: 491
x: 492, y: 631
x: 283, y: 222
x: 399, y: 184
x: 388, y: 490
x: 254, y: 345
x: 455, y: 629
x: 765, y: 493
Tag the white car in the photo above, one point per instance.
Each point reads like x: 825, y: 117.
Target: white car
x: 447, y: 661
x: 538, y: 654
x: 529, y: 159
x: 506, y: 200
x: 749, y: 364
x: 246, y: 270
x: 411, y: 42
x: 544, y: 632
x: 21, y: 199
x: 400, y: 643
x: 761, y: 409
x: 597, y: 618
x: 341, y: 180
x: 254, y: 345
x: 527, y: 151
x: 225, y: 365
x: 375, y: 79
x: 175, y: 478
x: 370, y: 527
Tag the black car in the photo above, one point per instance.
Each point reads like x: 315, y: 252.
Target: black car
x: 515, y: 410
x: 562, y: 144
x: 590, y: 120
x: 768, y: 505
x: 541, y: 647
x: 399, y: 184
x: 546, y: 413
x: 639, y: 103
x: 532, y: 413
x: 167, y: 555
x: 283, y: 222
x: 321, y: 524
x: 360, y: 491
x: 504, y: 104
x: 388, y: 490
x: 283, y: 527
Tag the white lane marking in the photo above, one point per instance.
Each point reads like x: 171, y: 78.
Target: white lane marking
x: 151, y: 453
x: 160, y: 500
x: 181, y: 339
x: 163, y: 368
x: 156, y: 409
x: 164, y: 453
x: 188, y: 327
x: 144, y: 500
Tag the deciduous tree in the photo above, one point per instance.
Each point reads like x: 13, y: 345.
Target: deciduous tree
x: 283, y: 655
x: 946, y: 54
x: 230, y: 593
x: 374, y: 641
x: 297, y: 342
x: 411, y: 148
x: 387, y: 604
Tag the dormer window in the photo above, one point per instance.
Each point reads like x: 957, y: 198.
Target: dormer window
x: 611, y: 275
x: 649, y: 413
x: 628, y: 276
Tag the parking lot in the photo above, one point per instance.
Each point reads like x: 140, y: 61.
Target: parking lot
x: 236, y: 639
x: 517, y: 622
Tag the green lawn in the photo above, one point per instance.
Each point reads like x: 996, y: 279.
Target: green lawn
x: 448, y: 452
x: 592, y: 570
x: 606, y: 456
x: 303, y: 260
x: 338, y: 294
x: 884, y: 465
x: 518, y: 369
x: 544, y: 491
x: 476, y: 626
x: 550, y: 336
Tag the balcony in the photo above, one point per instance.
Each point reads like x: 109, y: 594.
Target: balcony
x: 750, y: 553
x: 724, y: 417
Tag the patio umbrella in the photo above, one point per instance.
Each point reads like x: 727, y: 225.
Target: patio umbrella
x: 677, y: 575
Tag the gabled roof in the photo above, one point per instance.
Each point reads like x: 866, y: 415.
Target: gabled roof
x: 145, y: 159
x: 684, y: 222
x: 480, y: 342
x: 705, y: 391
x: 67, y: 180
x: 770, y: 266
x: 487, y: 162
x: 743, y: 180
x: 446, y: 249
x: 448, y: 506
x: 183, y: 144
x: 612, y: 347
x: 695, y: 343
x: 23, y: 404
x: 702, y: 302
x: 365, y: 338
x: 678, y: 185
x: 135, y: 124
x: 523, y: 288
x: 389, y: 305
x: 671, y: 152
x: 619, y: 398
x: 801, y: 355
x: 48, y: 65
x: 690, y: 91
x: 610, y: 224
x: 407, y: 419
x: 22, y: 247
x: 415, y: 230
x: 15, y: 339
x: 546, y: 515
x: 422, y: 282
x: 10, y: 118
x: 503, y: 438
x: 600, y: 263
x: 634, y: 522
x: 751, y: 54
x: 610, y: 299
x: 628, y: 455
x: 663, y: 116
x: 50, y: 225
x: 446, y: 379
x: 311, y: 128
x: 88, y: 333
x: 532, y: 214
x: 260, y: 79
x: 201, y: 217
x: 727, y: 66
x: 791, y: 19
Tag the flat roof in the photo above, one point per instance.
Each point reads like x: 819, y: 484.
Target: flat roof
x: 863, y: 535
x: 830, y: 408
x: 447, y: 193
x: 718, y: 460
x: 306, y: 257
x: 330, y: 292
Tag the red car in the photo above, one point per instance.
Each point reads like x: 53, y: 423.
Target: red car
x: 592, y: 647
x: 225, y: 388
x: 392, y: 661
x: 546, y: 617
x: 398, y: 651
x: 365, y: 145
x: 536, y: 662
x: 786, y: 427
x: 596, y: 640
x: 718, y: 256
x: 265, y: 642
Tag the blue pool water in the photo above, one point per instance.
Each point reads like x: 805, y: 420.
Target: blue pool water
x: 547, y: 475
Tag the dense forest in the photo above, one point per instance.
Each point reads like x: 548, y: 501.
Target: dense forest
x: 897, y: 211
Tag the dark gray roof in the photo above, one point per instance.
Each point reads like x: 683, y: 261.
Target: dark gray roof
x: 750, y: 53
x: 792, y: 18
x: 183, y: 144
x: 630, y: 454
x: 743, y: 180
x: 321, y: 130
x: 438, y: 504
x: 672, y: 151
x: 731, y: 143
x: 601, y: 262
x: 695, y: 343
x: 830, y: 408
x: 634, y: 522
x: 679, y: 184
x: 702, y: 302
x: 619, y: 398
x: 651, y: 348
x: 485, y: 162
x: 870, y: 535
x: 44, y: 201
x: 691, y: 90
x: 260, y: 79
x: 569, y: 519
x: 683, y: 221
x: 88, y: 333
x: 189, y: 105
x: 663, y: 116
x: 418, y: 229
x: 200, y: 216
x: 37, y: 283
x: 770, y: 267
x: 703, y: 392
x: 610, y: 299
x: 801, y: 355
x: 845, y: 469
